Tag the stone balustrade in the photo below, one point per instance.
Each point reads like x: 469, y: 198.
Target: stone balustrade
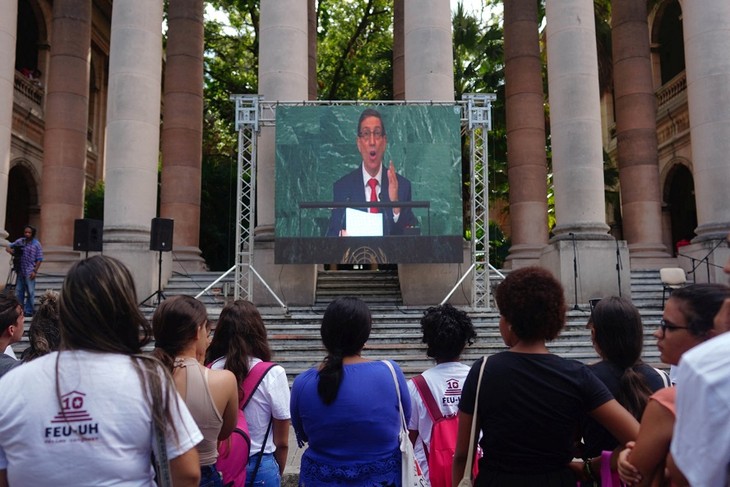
x: 30, y: 89
x: 672, y: 89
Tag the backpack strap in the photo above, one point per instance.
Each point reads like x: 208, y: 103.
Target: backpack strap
x: 253, y: 380
x: 425, y: 392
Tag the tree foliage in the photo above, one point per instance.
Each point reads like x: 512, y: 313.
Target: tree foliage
x: 231, y: 67
x: 355, y: 49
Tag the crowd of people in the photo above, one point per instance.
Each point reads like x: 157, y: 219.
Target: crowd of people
x: 85, y: 405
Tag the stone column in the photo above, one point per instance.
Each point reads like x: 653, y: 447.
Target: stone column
x: 64, y: 141
x: 8, y: 25
x: 133, y: 137
x: 283, y: 68
x: 399, y: 88
x: 706, y: 40
x: 429, y: 75
x: 428, y: 56
x: 526, y: 157
x: 636, y: 134
x: 182, y: 131
x: 581, y: 241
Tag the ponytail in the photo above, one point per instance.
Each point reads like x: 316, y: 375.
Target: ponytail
x: 330, y: 377
x: 634, y: 392
x: 163, y: 356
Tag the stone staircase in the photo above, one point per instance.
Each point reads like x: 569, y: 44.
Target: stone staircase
x: 377, y: 288
x: 294, y: 333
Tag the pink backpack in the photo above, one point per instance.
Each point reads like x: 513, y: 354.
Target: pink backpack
x: 233, y: 453
x: 440, y: 453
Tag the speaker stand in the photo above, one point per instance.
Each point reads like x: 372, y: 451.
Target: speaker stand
x: 159, y: 294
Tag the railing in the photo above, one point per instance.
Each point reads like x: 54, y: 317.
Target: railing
x: 29, y: 89
x: 672, y: 89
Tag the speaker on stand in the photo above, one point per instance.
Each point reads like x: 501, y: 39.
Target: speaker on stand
x: 88, y: 235
x: 161, y: 230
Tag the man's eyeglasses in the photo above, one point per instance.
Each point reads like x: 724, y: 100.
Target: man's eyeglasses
x: 365, y: 134
x: 665, y: 325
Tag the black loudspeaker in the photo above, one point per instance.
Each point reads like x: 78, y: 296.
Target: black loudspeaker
x: 88, y: 235
x: 161, y: 234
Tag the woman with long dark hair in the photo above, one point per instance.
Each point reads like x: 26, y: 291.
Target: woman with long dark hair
x: 347, y: 407
x: 238, y: 345
x: 88, y: 413
x: 618, y: 338
x: 181, y: 328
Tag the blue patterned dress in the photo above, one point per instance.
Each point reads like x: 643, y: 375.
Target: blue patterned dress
x: 354, y: 440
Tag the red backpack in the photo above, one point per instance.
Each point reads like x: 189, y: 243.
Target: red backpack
x: 440, y: 452
x: 233, y: 453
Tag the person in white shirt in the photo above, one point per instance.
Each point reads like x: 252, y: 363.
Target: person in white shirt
x: 239, y: 343
x: 87, y: 415
x: 446, y: 332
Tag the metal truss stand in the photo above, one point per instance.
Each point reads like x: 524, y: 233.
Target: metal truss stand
x: 247, y: 126
x: 479, y: 123
x: 250, y: 117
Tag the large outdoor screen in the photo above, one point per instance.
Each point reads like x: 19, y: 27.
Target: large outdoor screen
x: 329, y: 211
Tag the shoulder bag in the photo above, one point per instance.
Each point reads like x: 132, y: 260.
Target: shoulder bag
x: 411, y: 475
x: 466, y: 480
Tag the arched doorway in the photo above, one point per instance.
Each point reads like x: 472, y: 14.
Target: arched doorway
x: 679, y: 194
x: 22, y: 204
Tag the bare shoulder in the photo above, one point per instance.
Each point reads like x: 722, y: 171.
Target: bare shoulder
x: 222, y: 377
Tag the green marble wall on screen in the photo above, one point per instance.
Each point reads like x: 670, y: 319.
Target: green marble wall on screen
x: 316, y: 145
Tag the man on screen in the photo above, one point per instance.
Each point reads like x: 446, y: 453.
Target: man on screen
x: 372, y: 182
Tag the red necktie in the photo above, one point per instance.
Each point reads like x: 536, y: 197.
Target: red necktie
x: 373, y: 193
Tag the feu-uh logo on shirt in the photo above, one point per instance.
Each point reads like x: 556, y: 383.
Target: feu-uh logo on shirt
x: 73, y: 422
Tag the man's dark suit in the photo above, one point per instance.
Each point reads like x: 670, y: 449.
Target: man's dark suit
x: 350, y: 188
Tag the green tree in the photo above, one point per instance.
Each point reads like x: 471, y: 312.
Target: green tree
x: 94, y: 201
x: 231, y: 67
x: 355, y: 49
x: 478, y: 52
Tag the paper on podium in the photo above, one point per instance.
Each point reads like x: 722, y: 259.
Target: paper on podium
x: 363, y: 224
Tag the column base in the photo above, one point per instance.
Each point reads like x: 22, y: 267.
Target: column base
x: 704, y: 261
x: 58, y: 259
x: 650, y: 256
x: 601, y: 271
x: 294, y: 284
x: 428, y: 284
x: 523, y: 255
x: 188, y: 260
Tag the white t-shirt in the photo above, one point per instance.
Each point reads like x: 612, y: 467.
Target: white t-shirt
x: 701, y: 440
x: 271, y: 399
x: 445, y: 382
x: 99, y: 432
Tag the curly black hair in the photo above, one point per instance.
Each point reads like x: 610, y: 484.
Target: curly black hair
x: 446, y: 332
x: 532, y: 301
